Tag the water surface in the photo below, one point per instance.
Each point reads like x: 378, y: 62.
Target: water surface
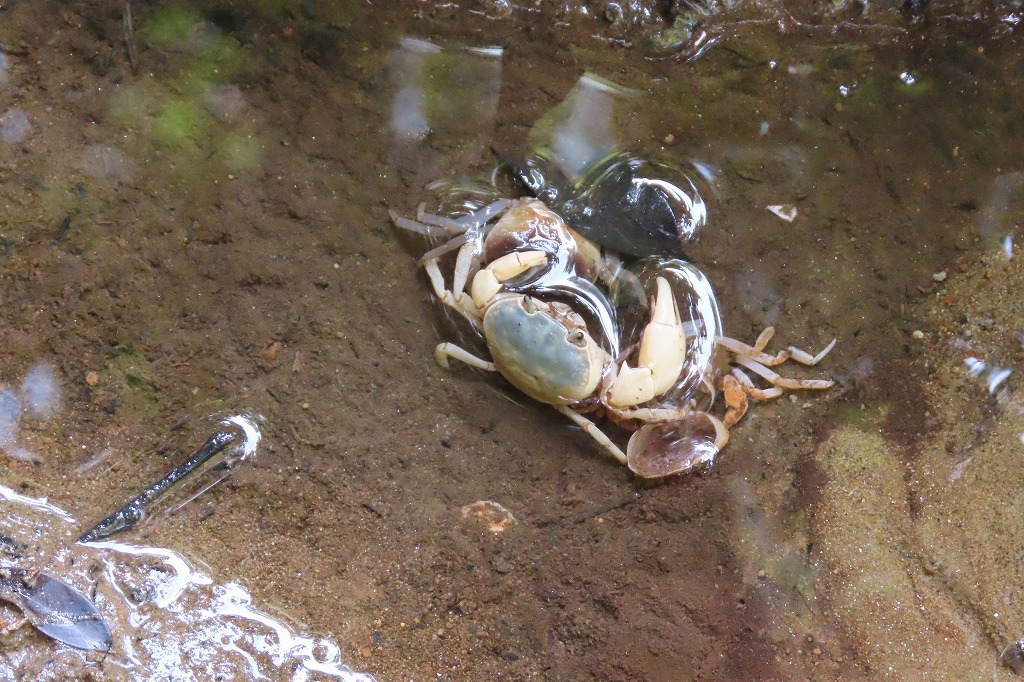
x: 210, y: 230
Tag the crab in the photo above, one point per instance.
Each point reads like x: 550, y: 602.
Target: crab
x: 545, y: 349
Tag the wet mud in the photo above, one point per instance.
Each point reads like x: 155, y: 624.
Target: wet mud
x: 209, y: 231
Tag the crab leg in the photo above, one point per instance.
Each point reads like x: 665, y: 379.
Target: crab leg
x: 735, y: 399
x: 449, y: 225
x: 470, y: 221
x: 662, y: 354
x: 783, y: 382
x: 447, y: 297
x: 450, y: 350
x: 450, y: 245
x: 756, y: 351
x: 463, y: 264
x: 757, y: 354
x: 805, y: 358
x: 752, y: 390
x: 418, y: 228
x: 594, y: 432
x: 763, y: 338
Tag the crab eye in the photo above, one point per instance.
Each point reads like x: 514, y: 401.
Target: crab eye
x: 577, y: 338
x: 529, y: 305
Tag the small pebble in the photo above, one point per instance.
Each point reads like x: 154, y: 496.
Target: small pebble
x: 670, y: 138
x: 939, y: 276
x: 92, y: 378
x: 918, y: 334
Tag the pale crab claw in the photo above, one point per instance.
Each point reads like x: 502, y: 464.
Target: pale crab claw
x: 488, y: 282
x: 662, y: 354
x: 658, y: 450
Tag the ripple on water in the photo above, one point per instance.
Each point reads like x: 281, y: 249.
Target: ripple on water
x: 170, y: 621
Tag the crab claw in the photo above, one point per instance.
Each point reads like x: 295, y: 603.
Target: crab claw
x: 661, y: 359
x: 657, y: 450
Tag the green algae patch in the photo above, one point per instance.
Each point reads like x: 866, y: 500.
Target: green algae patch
x: 860, y: 417
x: 179, y: 123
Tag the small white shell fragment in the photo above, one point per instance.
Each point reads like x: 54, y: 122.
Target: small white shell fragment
x: 494, y: 516
x: 918, y: 334
x: 939, y: 276
x: 785, y: 211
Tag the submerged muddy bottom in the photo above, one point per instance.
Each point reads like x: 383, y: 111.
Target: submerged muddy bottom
x: 209, y: 233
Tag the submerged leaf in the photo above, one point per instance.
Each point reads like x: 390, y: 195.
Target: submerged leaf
x: 56, y: 609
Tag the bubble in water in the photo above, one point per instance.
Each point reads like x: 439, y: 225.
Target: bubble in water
x: 658, y: 450
x: 41, y: 391
x: 14, y: 126
x: 907, y: 78
x: 698, y: 311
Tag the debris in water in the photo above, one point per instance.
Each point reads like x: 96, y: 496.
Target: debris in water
x: 56, y: 609
x: 1013, y: 657
x: 785, y: 211
x: 238, y: 430
x: 496, y: 517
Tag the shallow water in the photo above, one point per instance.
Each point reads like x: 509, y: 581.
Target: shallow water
x: 209, y: 233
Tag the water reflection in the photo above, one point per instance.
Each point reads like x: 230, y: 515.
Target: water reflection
x: 450, y: 94
x: 39, y: 396
x: 170, y: 620
x: 14, y: 126
x: 580, y: 132
x: 575, y: 164
x: 104, y: 161
x: 1005, y: 201
x: 41, y: 392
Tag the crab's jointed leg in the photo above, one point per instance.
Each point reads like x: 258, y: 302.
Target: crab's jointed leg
x: 594, y: 432
x: 657, y: 415
x: 735, y: 399
x: 751, y: 389
x: 456, y: 300
x: 780, y: 381
x: 805, y: 358
x: 662, y: 355
x: 446, y: 350
x: 757, y: 354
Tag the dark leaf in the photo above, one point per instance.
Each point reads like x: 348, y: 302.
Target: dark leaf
x: 56, y: 609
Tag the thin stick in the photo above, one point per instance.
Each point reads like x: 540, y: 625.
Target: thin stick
x: 129, y: 37
x: 133, y: 512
